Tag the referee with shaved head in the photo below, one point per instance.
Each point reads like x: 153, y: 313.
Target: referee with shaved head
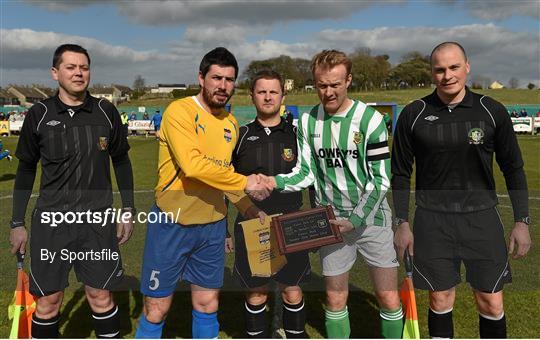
x: 453, y: 135
x: 75, y: 136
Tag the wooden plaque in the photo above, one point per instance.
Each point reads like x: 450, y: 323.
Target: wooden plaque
x: 305, y: 230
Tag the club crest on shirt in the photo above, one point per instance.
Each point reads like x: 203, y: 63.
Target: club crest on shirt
x: 476, y: 136
x: 227, y: 135
x: 287, y: 155
x: 103, y: 143
x: 357, y: 137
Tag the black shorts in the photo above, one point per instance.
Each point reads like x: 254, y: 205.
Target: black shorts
x: 92, y: 249
x: 443, y: 240
x: 296, y: 271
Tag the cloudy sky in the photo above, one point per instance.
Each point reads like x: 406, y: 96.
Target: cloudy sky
x: 164, y: 40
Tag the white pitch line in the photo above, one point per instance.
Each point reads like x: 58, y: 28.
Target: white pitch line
x: 147, y: 191
x: 114, y: 192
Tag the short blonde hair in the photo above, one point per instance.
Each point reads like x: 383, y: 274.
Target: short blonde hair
x: 328, y: 59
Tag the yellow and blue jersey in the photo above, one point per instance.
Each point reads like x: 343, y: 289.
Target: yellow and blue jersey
x: 194, y: 166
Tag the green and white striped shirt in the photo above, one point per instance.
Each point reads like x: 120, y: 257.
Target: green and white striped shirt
x: 348, y: 160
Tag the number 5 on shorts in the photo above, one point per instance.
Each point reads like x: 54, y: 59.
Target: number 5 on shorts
x: 154, y: 280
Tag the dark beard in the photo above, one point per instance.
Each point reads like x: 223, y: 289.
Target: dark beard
x: 210, y: 101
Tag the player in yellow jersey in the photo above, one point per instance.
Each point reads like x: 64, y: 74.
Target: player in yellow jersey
x: 194, y: 173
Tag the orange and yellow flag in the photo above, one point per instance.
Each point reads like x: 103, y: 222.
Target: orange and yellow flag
x: 21, y: 308
x: 408, y: 300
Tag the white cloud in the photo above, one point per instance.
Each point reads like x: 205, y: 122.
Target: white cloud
x: 25, y: 49
x: 494, y: 52
x: 184, y: 13
x: 497, y: 10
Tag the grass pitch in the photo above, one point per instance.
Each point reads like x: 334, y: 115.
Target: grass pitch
x: 522, y: 298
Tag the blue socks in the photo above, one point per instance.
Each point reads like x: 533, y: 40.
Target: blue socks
x: 148, y: 330
x: 204, y: 325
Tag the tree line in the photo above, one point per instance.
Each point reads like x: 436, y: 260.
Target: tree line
x: 370, y: 72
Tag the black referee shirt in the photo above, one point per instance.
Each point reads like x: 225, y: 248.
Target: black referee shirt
x: 453, y: 149
x: 270, y: 151
x: 74, y: 145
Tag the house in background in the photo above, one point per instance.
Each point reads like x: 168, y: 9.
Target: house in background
x: 110, y: 93
x: 168, y: 88
x: 288, y: 85
x: 46, y: 91
x: 7, y: 98
x: 125, y: 92
x: 26, y: 95
x: 496, y: 85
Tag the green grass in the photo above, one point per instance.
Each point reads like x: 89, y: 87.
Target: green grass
x: 401, y: 97
x: 522, y: 298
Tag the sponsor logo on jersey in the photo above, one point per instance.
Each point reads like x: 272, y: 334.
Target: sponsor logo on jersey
x: 53, y: 123
x: 227, y: 135
x: 287, y: 155
x: 252, y: 138
x: 71, y: 112
x: 431, y: 118
x: 357, y: 137
x: 103, y: 143
x: 315, y: 135
x: 476, y: 136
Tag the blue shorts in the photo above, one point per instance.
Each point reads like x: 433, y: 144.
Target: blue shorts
x: 173, y: 252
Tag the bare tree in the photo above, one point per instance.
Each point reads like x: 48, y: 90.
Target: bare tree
x: 513, y: 83
x: 139, y: 82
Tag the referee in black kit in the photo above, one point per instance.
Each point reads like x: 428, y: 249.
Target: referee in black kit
x: 268, y: 146
x: 74, y: 135
x: 452, y: 134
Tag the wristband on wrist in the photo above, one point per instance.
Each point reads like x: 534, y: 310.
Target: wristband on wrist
x: 526, y: 220
x: 131, y: 210
x: 398, y: 220
x: 16, y: 224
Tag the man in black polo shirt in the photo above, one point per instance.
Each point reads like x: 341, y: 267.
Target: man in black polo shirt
x: 268, y: 146
x: 74, y: 135
x: 452, y: 134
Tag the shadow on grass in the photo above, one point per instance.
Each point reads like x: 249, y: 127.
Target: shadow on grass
x: 363, y: 310
x: 7, y: 177
x: 79, y: 324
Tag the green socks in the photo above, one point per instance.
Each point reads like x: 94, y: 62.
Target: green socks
x: 337, y: 324
x: 392, y: 323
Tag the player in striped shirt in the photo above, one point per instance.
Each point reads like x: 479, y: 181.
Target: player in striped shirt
x: 343, y: 151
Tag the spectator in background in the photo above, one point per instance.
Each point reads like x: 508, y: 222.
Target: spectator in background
x: 145, y: 116
x: 156, y: 121
x: 125, y: 122
x: 538, y: 113
x: 523, y: 113
x: 289, y: 117
x: 387, y: 121
x: 133, y: 116
x: 2, y: 116
x: 514, y: 114
x: 4, y: 153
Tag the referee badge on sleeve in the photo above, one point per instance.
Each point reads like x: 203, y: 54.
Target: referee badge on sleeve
x: 103, y: 143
